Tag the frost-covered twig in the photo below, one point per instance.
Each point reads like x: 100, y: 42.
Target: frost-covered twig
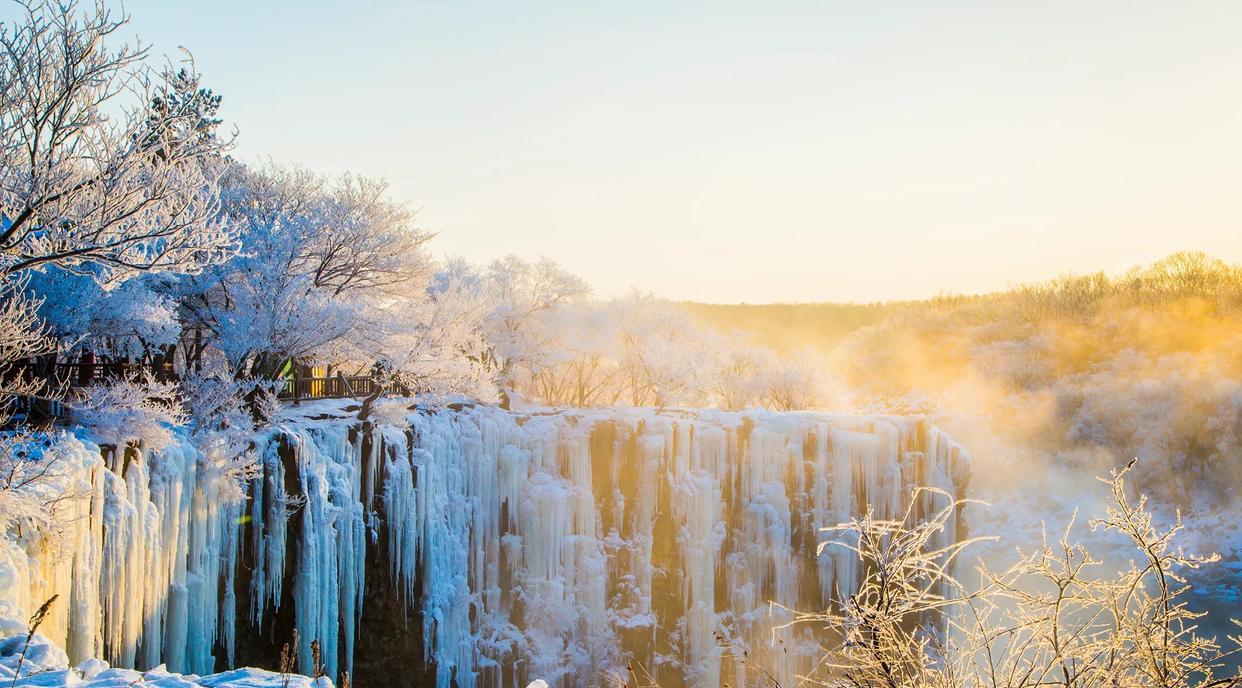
x: 1055, y: 617
x: 36, y: 620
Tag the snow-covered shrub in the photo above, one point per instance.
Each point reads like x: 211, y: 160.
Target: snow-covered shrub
x: 24, y: 463
x: 40, y: 481
x: 220, y: 413
x: 265, y: 399
x: 391, y: 412
x: 131, y: 409
x: 1058, y: 616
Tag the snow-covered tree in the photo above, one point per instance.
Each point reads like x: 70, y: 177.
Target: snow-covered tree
x: 437, y: 344
x: 108, y: 169
x: 522, y: 296
x: 366, y: 242
x: 134, y: 320
x: 735, y: 372
x: 661, y: 360
x: 792, y: 382
x: 321, y: 261
x: 584, y: 369
x: 107, y: 166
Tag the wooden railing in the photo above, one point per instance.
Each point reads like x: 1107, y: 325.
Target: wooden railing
x: 83, y: 374
x: 336, y: 387
x: 74, y: 375
x: 39, y: 410
x: 65, y: 381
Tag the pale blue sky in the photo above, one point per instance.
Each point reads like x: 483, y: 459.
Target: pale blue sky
x: 756, y: 151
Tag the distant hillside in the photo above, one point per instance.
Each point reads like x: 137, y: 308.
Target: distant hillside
x: 1182, y: 278
x: 1087, y: 370
x: 792, y: 326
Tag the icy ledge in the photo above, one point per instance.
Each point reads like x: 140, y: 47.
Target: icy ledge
x: 47, y: 666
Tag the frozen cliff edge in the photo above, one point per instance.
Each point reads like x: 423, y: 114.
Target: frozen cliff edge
x: 504, y: 547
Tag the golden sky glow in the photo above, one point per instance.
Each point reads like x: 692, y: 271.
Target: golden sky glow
x: 758, y: 151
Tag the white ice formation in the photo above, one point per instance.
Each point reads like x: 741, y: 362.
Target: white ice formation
x: 553, y: 545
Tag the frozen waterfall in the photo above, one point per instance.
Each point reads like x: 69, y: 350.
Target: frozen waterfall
x: 559, y: 545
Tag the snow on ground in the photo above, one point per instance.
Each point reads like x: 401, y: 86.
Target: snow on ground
x: 46, y: 665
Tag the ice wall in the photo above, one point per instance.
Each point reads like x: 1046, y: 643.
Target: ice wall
x: 562, y: 545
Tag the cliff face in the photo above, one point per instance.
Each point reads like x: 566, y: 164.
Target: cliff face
x: 482, y: 547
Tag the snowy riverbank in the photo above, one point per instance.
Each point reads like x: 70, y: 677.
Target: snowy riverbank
x: 45, y: 665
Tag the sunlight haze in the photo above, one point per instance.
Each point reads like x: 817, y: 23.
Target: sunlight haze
x: 632, y: 344
x: 729, y: 152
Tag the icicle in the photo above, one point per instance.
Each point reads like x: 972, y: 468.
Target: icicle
x: 556, y: 545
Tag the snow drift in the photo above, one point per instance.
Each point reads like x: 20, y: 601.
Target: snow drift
x: 39, y: 662
x: 556, y: 545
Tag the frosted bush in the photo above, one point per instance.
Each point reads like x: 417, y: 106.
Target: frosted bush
x: 1058, y: 616
x: 391, y: 412
x: 133, y: 409
x: 23, y: 465
x: 220, y: 412
x: 39, y: 484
